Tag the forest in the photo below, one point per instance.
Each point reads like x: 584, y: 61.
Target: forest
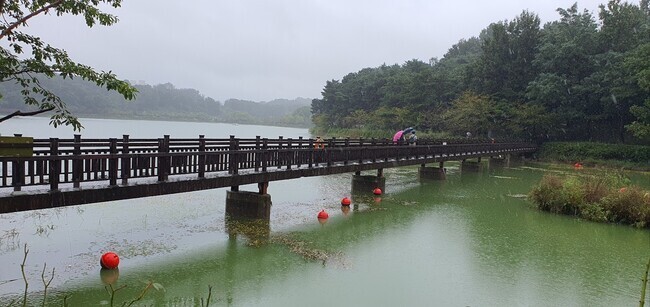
x: 162, y: 102
x: 579, y: 78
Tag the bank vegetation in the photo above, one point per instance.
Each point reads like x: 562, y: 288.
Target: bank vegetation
x: 606, y: 196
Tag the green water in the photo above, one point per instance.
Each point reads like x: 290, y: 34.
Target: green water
x: 471, y: 240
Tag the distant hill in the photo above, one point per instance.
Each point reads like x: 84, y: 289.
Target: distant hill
x: 162, y: 102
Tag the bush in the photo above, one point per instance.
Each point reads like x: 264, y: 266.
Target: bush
x: 595, y: 198
x: 629, y: 206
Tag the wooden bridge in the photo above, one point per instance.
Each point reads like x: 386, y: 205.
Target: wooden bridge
x: 63, y: 172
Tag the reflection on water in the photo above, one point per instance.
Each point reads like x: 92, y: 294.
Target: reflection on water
x: 470, y: 240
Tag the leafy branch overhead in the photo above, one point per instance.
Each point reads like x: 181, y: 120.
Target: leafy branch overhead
x: 24, y: 58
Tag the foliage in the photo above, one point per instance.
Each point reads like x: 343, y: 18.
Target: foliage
x: 604, y: 197
x: 639, y: 67
x: 45, y: 60
x: 580, y: 78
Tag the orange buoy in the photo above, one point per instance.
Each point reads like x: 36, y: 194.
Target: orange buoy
x: 376, y: 191
x: 109, y: 260
x: 623, y: 190
x: 345, y: 201
x: 323, y: 215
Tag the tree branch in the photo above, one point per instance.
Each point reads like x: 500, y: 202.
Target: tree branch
x: 19, y: 113
x: 8, y: 30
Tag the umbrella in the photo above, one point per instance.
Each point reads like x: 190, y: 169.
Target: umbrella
x: 397, y: 136
x: 408, y: 130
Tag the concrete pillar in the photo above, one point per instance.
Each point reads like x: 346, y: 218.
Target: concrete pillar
x: 470, y: 166
x: 499, y: 161
x: 514, y: 159
x: 435, y: 173
x: 248, y: 205
x: 367, y: 184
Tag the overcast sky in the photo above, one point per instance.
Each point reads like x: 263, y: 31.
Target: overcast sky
x: 262, y: 50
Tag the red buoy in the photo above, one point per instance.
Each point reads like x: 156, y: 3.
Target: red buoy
x: 109, y: 260
x: 623, y: 190
x: 376, y: 191
x: 345, y: 201
x: 323, y: 215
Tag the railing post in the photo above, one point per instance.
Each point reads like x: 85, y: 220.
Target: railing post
x: 280, y: 152
x: 361, y: 150
x: 163, y: 158
x: 55, y: 164
x: 265, y: 154
x: 311, y: 151
x: 112, y: 163
x: 258, y: 153
x: 373, y: 142
x: 289, y: 154
x: 201, y: 156
x: 233, y: 166
x: 77, y: 170
x: 300, y: 153
x: 126, y: 160
x: 17, y: 174
x: 330, y: 147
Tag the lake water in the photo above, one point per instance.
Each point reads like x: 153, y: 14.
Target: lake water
x: 471, y: 240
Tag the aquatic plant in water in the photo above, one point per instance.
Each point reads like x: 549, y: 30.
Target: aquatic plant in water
x: 601, y: 197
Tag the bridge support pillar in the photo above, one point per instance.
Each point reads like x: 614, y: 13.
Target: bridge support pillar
x: 435, y: 173
x: 498, y: 161
x: 248, y: 205
x: 368, y: 183
x: 471, y: 166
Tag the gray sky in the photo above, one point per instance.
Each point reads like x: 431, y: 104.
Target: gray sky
x: 262, y: 50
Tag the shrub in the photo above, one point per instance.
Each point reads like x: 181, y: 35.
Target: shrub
x: 629, y: 206
x: 597, y: 198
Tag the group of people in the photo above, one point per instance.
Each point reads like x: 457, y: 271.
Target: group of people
x: 406, y: 136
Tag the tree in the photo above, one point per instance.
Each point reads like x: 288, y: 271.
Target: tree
x: 639, y: 66
x: 566, y: 62
x: 25, y: 58
x: 504, y: 67
x: 474, y: 113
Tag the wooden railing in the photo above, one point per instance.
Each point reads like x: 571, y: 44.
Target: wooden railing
x: 56, y: 162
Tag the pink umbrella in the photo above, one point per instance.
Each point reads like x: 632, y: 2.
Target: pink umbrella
x: 397, y: 136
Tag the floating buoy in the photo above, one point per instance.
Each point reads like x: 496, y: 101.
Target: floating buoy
x: 323, y: 215
x: 578, y: 165
x: 109, y: 260
x: 376, y: 191
x: 623, y: 190
x: 345, y: 201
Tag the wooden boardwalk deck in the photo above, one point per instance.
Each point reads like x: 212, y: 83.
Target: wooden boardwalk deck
x: 63, y: 172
